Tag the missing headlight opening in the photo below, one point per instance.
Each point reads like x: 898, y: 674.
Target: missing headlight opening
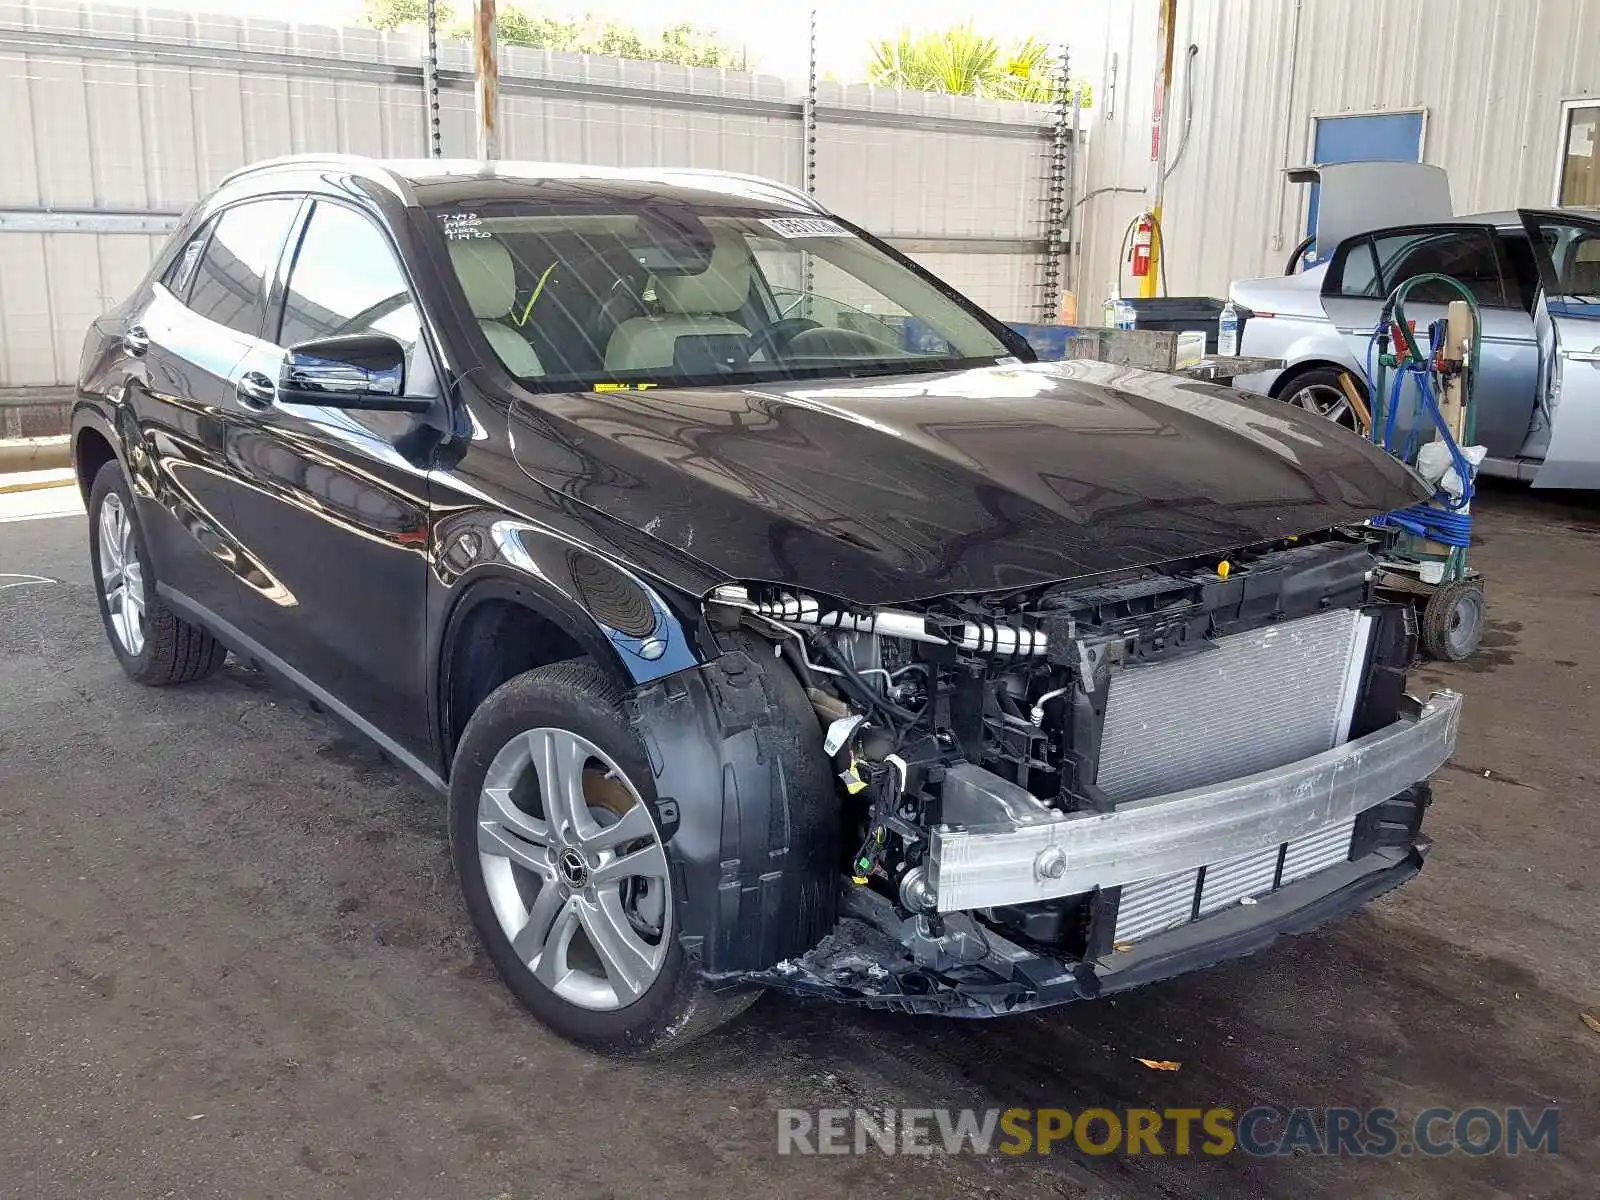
x: 1033, y: 784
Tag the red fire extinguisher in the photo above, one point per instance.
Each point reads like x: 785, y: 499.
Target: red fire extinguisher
x: 1142, y: 234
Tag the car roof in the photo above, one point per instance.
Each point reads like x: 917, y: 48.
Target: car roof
x: 429, y: 181
x: 1504, y: 219
x: 1510, y: 218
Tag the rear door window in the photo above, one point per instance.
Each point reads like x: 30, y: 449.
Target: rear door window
x: 230, y: 280
x: 1578, y: 266
x: 1524, y: 267
x: 181, y: 271
x: 1568, y: 249
x: 1465, y: 254
x: 1355, y: 274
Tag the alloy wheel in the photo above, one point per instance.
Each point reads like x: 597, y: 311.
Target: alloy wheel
x: 121, y: 576
x: 1325, y: 401
x: 574, y: 868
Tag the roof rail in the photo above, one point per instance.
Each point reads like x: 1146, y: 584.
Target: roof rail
x: 375, y: 167
x: 397, y: 181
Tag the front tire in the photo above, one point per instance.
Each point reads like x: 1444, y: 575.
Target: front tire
x: 564, y: 871
x: 154, y: 645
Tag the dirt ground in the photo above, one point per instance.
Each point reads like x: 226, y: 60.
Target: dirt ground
x: 233, y: 963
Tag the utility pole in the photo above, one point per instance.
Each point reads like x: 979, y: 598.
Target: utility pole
x: 1165, y: 23
x: 486, y: 75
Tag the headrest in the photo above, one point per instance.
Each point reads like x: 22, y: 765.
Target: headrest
x: 722, y: 287
x: 1583, y: 272
x: 487, y: 276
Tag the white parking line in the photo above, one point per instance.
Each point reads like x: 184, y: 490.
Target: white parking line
x: 8, y: 580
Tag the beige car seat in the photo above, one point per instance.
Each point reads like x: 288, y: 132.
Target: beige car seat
x: 483, y: 265
x: 695, y: 306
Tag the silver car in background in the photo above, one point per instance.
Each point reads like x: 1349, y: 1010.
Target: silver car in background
x: 1534, y: 273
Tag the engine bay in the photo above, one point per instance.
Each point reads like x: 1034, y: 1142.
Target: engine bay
x: 976, y: 712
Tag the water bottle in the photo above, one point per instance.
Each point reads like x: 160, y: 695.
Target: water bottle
x: 1127, y: 315
x: 1228, y: 331
x: 1108, y: 310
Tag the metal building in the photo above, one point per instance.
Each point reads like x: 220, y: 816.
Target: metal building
x: 1503, y: 94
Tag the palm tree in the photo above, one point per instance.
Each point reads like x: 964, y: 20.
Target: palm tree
x: 962, y: 62
x: 959, y: 61
x: 1028, y: 72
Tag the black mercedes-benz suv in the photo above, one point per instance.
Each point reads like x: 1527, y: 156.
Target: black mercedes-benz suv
x: 769, y: 617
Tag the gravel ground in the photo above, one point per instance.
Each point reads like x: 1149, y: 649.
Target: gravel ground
x: 233, y: 962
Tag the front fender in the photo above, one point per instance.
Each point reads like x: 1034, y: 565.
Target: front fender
x: 1312, y: 351
x: 634, y: 627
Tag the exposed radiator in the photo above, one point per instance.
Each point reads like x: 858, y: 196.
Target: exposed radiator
x: 1252, y: 702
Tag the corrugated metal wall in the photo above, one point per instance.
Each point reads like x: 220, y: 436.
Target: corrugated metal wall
x: 1491, y: 74
x: 121, y: 110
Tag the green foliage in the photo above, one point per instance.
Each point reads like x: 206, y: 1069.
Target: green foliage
x: 684, y: 43
x: 697, y: 48
x: 962, y: 62
x: 959, y: 61
x: 518, y: 27
x: 393, y: 14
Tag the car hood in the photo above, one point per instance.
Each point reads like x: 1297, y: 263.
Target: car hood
x: 897, y: 488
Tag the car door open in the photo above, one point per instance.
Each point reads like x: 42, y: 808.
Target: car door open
x: 1567, y: 248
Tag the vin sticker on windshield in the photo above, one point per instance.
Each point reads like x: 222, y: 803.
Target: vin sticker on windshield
x: 805, y: 227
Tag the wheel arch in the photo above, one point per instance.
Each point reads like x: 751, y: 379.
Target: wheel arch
x: 1293, y: 373
x: 498, y: 627
x: 93, y: 445
x: 535, y: 599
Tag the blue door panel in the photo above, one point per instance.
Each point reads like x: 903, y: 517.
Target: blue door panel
x: 1382, y: 137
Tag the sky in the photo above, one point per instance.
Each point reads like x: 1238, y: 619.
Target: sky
x: 775, y: 33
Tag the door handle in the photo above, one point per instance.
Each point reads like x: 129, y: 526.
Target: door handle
x: 135, y: 341
x: 255, y: 390
x: 1591, y: 356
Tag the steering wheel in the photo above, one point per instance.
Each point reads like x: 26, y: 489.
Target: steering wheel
x: 772, y: 338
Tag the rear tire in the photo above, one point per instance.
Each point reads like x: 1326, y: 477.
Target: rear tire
x: 623, y: 987
x: 1317, y: 391
x: 154, y: 645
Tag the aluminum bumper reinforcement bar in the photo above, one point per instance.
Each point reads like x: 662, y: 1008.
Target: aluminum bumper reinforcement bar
x: 1163, y: 835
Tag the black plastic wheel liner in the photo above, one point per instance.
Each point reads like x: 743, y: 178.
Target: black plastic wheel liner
x: 750, y: 826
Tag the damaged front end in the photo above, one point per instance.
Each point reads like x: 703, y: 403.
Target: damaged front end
x: 1059, y: 792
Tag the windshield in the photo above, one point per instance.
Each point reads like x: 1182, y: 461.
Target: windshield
x: 663, y: 293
